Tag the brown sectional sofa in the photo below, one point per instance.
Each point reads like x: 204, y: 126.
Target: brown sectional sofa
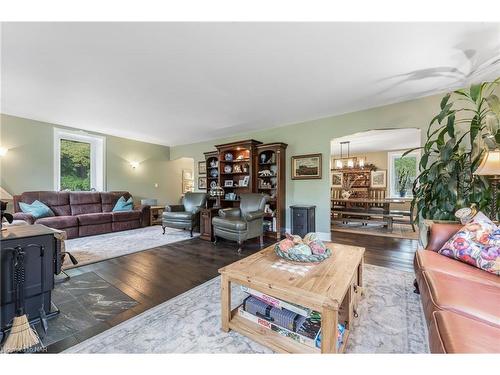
x: 83, y: 213
x: 461, y: 303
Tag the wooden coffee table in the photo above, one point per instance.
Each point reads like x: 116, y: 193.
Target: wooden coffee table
x: 331, y: 287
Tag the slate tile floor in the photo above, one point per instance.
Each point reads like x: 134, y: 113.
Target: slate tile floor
x: 85, y: 301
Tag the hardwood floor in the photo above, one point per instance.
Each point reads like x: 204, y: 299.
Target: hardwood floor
x: 388, y: 252
x: 153, y: 276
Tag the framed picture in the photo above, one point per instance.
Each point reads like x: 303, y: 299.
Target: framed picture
x: 187, y: 174
x: 202, y: 183
x: 245, y: 181
x: 337, y: 179
x: 378, y: 179
x: 202, y: 167
x: 228, y: 183
x: 187, y: 185
x: 306, y: 167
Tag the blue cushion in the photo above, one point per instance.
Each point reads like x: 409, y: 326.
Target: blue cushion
x: 37, y: 209
x: 124, y: 205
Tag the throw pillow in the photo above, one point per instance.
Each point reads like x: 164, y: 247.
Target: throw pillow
x: 124, y: 205
x: 37, y: 209
x: 477, y: 244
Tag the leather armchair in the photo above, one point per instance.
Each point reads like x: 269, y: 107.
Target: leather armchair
x: 243, y: 223
x: 185, y: 215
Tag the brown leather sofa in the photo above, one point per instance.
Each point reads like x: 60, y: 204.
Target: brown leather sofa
x: 461, y: 303
x: 83, y: 213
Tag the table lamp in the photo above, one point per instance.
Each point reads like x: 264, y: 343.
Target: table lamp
x: 217, y: 192
x: 490, y: 166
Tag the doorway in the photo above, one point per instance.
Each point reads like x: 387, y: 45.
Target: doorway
x: 371, y: 179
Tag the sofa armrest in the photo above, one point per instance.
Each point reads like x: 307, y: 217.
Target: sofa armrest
x: 145, y: 214
x: 440, y: 233
x: 174, y: 208
x: 229, y: 212
x: 254, y: 215
x: 196, y: 210
x: 29, y: 218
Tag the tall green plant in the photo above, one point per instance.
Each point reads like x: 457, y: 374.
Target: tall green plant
x: 456, y: 140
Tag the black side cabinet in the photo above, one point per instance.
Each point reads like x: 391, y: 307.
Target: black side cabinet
x: 303, y: 219
x: 42, y: 261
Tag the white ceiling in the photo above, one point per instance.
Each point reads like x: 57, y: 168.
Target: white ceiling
x: 176, y: 83
x: 377, y: 140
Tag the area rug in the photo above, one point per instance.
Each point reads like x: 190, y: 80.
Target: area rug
x: 390, y: 321
x: 111, y: 245
x: 399, y: 230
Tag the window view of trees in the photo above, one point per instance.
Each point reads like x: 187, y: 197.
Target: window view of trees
x: 75, y: 165
x: 408, y: 164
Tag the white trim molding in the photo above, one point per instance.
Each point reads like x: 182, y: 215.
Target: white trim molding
x: 97, y: 156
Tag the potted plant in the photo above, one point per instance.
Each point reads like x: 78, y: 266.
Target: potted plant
x: 457, y: 137
x: 403, y: 179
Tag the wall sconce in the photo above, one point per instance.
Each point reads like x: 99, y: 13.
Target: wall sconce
x: 134, y: 164
x: 3, y: 151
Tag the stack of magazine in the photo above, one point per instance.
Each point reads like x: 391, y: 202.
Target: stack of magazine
x: 296, y: 322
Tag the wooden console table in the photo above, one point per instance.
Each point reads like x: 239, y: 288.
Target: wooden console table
x: 331, y: 287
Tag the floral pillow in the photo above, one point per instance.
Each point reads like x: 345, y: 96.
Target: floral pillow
x: 477, y: 244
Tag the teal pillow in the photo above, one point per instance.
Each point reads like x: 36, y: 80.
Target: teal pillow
x: 124, y: 205
x: 37, y: 209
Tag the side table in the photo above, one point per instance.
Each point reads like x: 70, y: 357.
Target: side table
x: 155, y: 214
x: 206, y: 230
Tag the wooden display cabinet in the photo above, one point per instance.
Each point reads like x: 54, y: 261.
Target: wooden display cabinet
x: 212, y: 168
x: 237, y: 162
x: 271, y: 180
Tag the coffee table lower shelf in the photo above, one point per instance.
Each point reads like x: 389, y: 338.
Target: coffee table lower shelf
x: 274, y: 340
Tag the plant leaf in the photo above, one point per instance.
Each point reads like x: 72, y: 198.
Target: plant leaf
x: 444, y: 101
x: 475, y: 91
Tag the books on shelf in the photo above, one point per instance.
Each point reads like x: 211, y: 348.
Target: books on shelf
x: 311, y: 338
x: 275, y: 302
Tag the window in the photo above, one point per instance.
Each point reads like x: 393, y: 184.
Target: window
x: 398, y: 165
x: 78, y: 161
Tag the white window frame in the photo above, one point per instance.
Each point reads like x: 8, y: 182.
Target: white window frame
x: 392, y: 173
x: 97, y: 156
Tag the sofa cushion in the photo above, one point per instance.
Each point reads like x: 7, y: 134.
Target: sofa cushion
x: 58, y: 201
x: 109, y: 199
x: 465, y: 297
x: 126, y: 215
x: 85, y: 202
x: 97, y: 218
x: 37, y: 209
x: 59, y: 222
x: 229, y: 223
x: 477, y: 243
x: 182, y: 215
x: 454, y: 333
x: 429, y: 260
x: 123, y: 204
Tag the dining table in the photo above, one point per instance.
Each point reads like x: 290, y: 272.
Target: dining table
x: 367, y: 203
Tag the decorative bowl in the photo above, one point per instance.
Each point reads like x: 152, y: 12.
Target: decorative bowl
x: 312, y: 258
x: 228, y: 169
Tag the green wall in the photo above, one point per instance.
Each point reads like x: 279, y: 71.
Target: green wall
x: 315, y: 136
x: 28, y: 164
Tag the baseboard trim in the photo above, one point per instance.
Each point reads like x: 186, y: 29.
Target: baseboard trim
x: 323, y: 236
